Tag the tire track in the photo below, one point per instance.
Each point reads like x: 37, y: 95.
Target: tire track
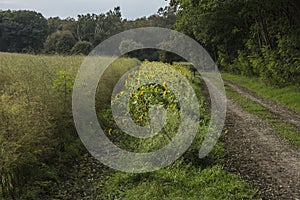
x: 255, y: 151
x: 260, y: 156
x: 282, y: 112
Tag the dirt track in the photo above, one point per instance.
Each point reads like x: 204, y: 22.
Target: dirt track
x: 257, y: 153
x: 282, y: 112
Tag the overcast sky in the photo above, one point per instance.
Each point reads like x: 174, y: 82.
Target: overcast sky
x: 130, y: 9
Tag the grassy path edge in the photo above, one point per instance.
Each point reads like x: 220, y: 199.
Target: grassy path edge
x: 288, y: 96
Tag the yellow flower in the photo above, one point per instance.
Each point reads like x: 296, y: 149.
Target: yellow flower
x: 164, y: 85
x: 165, y: 92
x: 110, y: 131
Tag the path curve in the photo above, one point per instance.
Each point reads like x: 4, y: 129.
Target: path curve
x: 257, y: 153
x: 282, y: 112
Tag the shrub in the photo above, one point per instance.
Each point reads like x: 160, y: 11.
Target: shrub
x: 60, y: 42
x: 129, y: 45
x: 82, y: 47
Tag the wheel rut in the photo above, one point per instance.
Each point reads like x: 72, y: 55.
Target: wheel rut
x: 257, y: 153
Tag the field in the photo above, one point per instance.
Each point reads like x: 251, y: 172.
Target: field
x: 142, y: 130
x: 42, y: 156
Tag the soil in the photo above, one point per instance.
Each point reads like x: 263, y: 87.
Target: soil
x: 257, y: 153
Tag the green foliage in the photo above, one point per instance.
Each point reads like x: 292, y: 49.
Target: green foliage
x: 147, y: 95
x: 60, y: 42
x: 110, y: 77
x: 25, y: 129
x: 26, y: 31
x: 56, y: 24
x: 129, y: 45
x: 22, y: 31
x: 242, y: 65
x: 37, y: 138
x: 63, y: 83
x: 39, y: 145
x: 165, y: 18
x: 86, y: 25
x: 139, y: 53
x: 142, y: 101
x: 82, y: 47
x: 166, y: 56
x: 187, y: 178
x: 96, y: 28
x: 62, y: 87
x: 179, y: 181
x: 252, y: 38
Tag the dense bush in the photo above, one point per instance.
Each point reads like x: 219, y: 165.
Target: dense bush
x: 82, y: 47
x: 60, y: 42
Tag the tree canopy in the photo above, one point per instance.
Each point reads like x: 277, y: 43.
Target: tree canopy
x: 249, y: 37
x: 29, y: 31
x: 22, y: 31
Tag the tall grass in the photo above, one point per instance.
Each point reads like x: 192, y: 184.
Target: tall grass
x: 38, y: 141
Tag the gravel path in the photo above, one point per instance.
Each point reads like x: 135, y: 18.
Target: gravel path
x: 257, y: 153
x: 282, y: 112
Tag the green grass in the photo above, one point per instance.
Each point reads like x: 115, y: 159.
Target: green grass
x: 179, y: 181
x: 38, y: 141
x: 187, y: 178
x: 288, y: 96
x: 284, y: 129
x: 32, y: 78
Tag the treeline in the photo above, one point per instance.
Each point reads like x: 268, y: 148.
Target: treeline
x: 29, y: 32
x: 248, y: 37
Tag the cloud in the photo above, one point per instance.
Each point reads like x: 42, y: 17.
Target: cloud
x: 71, y: 8
x: 8, y: 3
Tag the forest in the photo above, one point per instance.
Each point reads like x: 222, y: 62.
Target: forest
x: 30, y: 32
x: 254, y: 43
x: 250, y: 37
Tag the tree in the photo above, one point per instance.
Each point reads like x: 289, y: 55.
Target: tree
x: 22, y: 31
x: 60, y: 42
x: 251, y: 37
x: 85, y: 28
x: 129, y: 45
x: 108, y: 25
x: 82, y: 47
x: 54, y: 24
x: 57, y: 24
